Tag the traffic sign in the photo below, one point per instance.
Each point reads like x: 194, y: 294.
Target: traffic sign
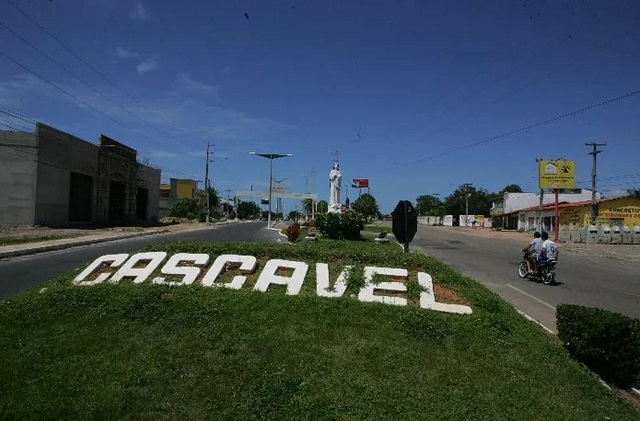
x: 404, y: 223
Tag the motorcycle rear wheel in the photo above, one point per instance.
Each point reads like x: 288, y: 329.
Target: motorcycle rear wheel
x: 548, y: 276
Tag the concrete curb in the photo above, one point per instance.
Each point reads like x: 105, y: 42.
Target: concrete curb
x: 56, y: 247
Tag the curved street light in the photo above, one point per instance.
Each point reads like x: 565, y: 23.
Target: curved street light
x: 271, y: 157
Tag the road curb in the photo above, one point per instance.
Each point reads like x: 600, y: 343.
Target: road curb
x: 56, y: 247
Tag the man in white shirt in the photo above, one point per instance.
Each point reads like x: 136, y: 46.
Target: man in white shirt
x: 549, y: 248
x: 536, y: 246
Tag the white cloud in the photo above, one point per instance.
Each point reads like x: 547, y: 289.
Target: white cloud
x: 147, y: 66
x: 186, y: 83
x: 19, y: 90
x: 123, y: 53
x: 139, y: 12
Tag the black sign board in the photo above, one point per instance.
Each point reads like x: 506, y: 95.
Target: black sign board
x: 404, y: 222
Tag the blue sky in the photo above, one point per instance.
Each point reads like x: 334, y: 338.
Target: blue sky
x: 401, y: 89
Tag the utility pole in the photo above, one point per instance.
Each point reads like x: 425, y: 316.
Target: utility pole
x: 466, y: 203
x: 594, y: 204
x: 206, y: 184
x: 541, y: 198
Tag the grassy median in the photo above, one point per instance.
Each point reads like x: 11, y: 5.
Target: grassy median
x: 142, y: 351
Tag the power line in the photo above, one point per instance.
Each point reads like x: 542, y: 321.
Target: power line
x: 70, y: 95
x: 88, y: 85
x: 17, y: 115
x: 35, y: 136
x: 32, y: 152
x: 521, y: 129
x: 616, y: 177
x: 533, y: 82
x: 21, y: 130
x: 76, y: 98
x: 86, y: 63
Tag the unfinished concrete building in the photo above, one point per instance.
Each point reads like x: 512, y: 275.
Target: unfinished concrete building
x: 52, y: 178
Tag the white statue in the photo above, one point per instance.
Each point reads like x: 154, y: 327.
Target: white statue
x: 335, y: 177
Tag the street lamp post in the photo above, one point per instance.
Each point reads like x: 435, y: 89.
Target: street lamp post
x: 270, y: 157
x: 227, y: 207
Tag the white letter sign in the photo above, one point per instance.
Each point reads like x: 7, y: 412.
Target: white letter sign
x: 141, y: 266
x: 428, y: 299
x: 366, y: 293
x: 190, y: 274
x: 294, y: 283
x: 139, y: 274
x: 247, y: 264
x: 323, y: 282
x: 115, y: 259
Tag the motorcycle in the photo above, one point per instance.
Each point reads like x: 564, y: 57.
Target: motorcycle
x: 546, y: 270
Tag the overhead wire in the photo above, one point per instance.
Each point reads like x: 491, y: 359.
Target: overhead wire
x: 519, y: 130
x: 31, y: 151
x: 17, y: 115
x: 86, y: 63
x: 64, y: 91
x: 537, y: 80
x: 517, y: 70
x: 88, y: 85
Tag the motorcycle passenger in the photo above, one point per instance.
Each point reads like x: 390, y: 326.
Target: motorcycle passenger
x: 549, y: 249
x: 536, y: 248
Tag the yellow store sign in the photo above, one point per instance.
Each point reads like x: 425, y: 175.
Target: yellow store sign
x: 559, y: 174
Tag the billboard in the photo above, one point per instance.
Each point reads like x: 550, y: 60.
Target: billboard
x: 558, y: 174
x: 360, y: 183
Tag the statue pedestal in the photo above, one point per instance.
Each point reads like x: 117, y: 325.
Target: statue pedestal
x: 335, y: 208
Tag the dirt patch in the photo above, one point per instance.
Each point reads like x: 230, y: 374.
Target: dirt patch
x: 622, y: 252
x: 447, y: 295
x: 631, y: 397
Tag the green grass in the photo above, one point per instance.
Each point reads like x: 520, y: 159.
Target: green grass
x: 156, y: 352
x: 377, y: 228
x: 10, y: 241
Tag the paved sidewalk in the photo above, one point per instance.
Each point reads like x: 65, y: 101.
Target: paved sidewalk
x: 94, y: 238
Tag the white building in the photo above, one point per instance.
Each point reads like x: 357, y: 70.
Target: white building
x: 512, y: 207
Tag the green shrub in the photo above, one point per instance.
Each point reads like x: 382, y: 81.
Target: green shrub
x: 351, y: 224
x: 293, y: 231
x: 345, y: 226
x: 329, y: 225
x: 608, y: 343
x: 187, y: 208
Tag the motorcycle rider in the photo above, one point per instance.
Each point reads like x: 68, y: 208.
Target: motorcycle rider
x: 536, y: 249
x: 549, y: 249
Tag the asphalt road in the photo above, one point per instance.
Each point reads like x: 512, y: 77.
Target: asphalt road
x: 595, y: 282
x: 26, y: 271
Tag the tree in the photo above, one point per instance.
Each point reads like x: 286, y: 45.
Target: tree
x: 634, y: 193
x: 479, y: 201
x: 307, y: 206
x: 187, y: 208
x: 294, y: 216
x: 322, y: 206
x: 248, y: 210
x: 366, y: 205
x: 214, y: 199
x: 429, y: 204
x: 511, y: 188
